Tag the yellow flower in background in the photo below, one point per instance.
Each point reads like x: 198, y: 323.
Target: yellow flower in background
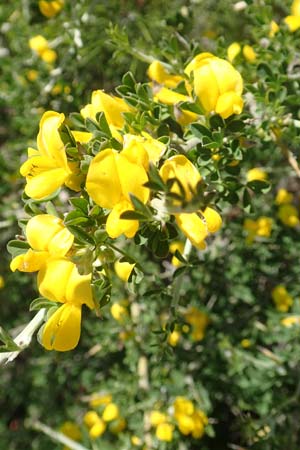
x: 2, y: 282
x: 292, y: 22
x: 289, y: 215
x: 119, y: 311
x: 257, y: 174
x: 246, y: 343
x: 295, y: 8
x: 90, y: 418
x: 262, y: 227
x: 72, y: 430
x: 47, y: 236
x: 32, y: 75
x: 100, y: 399
x: 49, y: 56
x: 111, y: 412
x: 158, y: 73
x: 123, y: 269
x: 200, y: 421
x: 217, y: 84
x: 274, y: 28
x: 249, y: 53
x: 283, y: 197
x: 50, y: 8
x: 47, y: 168
x: 111, y: 177
x: 118, y: 425
x: 157, y: 417
x: 290, y: 321
x: 174, y: 338
x: 176, y: 245
x: 95, y: 424
x: 38, y: 44
x: 189, y: 419
x: 135, y: 440
x: 183, y: 405
x: 164, y: 432
x: 283, y: 301
x: 199, y: 322
x: 233, y: 50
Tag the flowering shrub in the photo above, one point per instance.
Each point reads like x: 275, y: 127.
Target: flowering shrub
x: 160, y: 226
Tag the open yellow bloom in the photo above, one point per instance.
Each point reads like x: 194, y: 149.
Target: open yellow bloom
x: 38, y: 44
x: 47, y: 168
x: 283, y: 197
x: 156, y: 418
x: 233, y: 50
x: 50, y: 8
x: 111, y: 177
x: 289, y: 215
x: 47, y: 236
x: 217, y: 84
x: 283, y: 301
x: 111, y: 412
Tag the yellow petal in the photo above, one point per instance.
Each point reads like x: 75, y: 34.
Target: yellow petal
x: 48, y: 139
x: 50, y: 9
x: 295, y: 8
x: 82, y: 136
x: 249, y: 53
x: 38, y: 44
x: 113, y: 108
x: 48, y: 233
x: 111, y: 412
x: 193, y: 228
x: 53, y: 279
x: 29, y: 262
x: 213, y: 219
x: 293, y: 22
x: 181, y: 168
x: 78, y: 289
x: 123, y: 269
x: 115, y: 226
x: 168, y: 97
x: 197, y: 62
x: 233, y: 50
x: 229, y: 103
x: 62, y: 331
x: 157, y: 72
x: 49, y: 56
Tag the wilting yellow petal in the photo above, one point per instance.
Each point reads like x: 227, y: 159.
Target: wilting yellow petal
x: 115, y: 226
x: 193, y: 228
x: 62, y: 331
x: 30, y: 261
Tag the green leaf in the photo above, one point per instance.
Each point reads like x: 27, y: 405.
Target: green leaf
x: 259, y: 186
x: 104, y: 127
x: 16, y: 247
x: 199, y: 130
x: 75, y: 218
x: 9, y: 344
x: 82, y: 236
x: 128, y: 80
x: 40, y: 303
x: 80, y: 203
x: 101, y: 289
x: 134, y: 215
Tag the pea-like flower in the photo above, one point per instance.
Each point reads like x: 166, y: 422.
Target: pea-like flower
x: 47, y: 168
x: 217, y: 84
x: 52, y: 8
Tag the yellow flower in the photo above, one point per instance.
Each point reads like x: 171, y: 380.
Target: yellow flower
x: 290, y: 321
x: 38, y: 44
x: 295, y: 8
x: 111, y: 412
x: 183, y: 405
x: 233, y: 50
x: 100, y: 399
x: 2, y: 282
x: 62, y: 330
x: 199, y: 321
x: 217, y: 84
x: 49, y: 55
x: 32, y: 75
x: 97, y: 429
x: 47, y: 168
x: 200, y: 420
x: 113, y: 108
x: 288, y: 214
x: 123, y: 269
x: 71, y: 430
x: 90, y: 418
x: 249, y: 53
x: 292, y: 22
x: 157, y: 73
x: 274, y: 28
x: 164, y: 432
x: 283, y: 301
x: 174, y: 338
x: 283, y: 197
x: 176, y: 245
x: 173, y: 98
x: 46, y: 235
x: 135, y: 440
x: 261, y: 227
x: 111, y: 177
x: 256, y: 174
x: 118, y: 311
x: 50, y: 8
x: 156, y: 418
x: 246, y: 343
x: 143, y: 149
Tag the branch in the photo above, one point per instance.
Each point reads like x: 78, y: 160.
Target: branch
x: 24, y: 338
